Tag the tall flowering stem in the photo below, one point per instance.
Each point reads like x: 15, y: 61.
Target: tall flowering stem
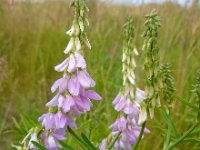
x: 125, y: 130
x: 72, y: 91
x: 152, y: 62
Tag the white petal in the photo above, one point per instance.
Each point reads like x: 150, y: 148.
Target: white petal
x: 78, y: 44
x: 87, y: 42
x: 71, y: 31
x: 142, y: 116
x: 131, y: 79
x: 69, y: 46
x: 81, y: 26
x: 135, y: 51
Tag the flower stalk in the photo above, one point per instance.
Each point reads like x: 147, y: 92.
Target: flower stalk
x: 152, y: 62
x: 73, y: 95
x: 125, y: 130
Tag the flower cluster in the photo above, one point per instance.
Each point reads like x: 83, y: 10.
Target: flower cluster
x: 126, y: 128
x: 72, y: 91
x: 152, y: 62
x: 73, y: 96
x: 168, y: 85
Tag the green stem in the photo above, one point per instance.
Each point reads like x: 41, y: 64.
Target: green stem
x: 182, y: 137
x: 167, y: 141
x: 113, y: 143
x: 140, y: 136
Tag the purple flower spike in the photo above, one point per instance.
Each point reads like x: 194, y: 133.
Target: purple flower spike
x: 72, y: 96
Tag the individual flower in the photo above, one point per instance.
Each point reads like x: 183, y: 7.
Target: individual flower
x: 72, y: 63
x: 51, y: 139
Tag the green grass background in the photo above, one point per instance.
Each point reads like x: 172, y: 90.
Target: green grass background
x: 32, y: 40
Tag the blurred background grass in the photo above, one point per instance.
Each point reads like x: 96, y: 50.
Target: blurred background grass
x: 32, y: 40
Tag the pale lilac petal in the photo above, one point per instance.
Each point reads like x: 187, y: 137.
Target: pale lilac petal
x: 61, y: 67
x: 117, y: 99
x: 47, y: 120
x: 74, y: 86
x: 72, y: 64
x: 128, y: 109
x: 61, y: 100
x: 70, y: 122
x: 147, y: 130
x: 140, y: 96
x: 80, y: 61
x: 52, y: 143
x: 92, y: 95
x: 60, y: 120
x: 63, y: 85
x: 122, y: 103
x: 83, y: 104
x: 75, y: 111
x: 56, y: 85
x: 85, y: 80
x: 103, y: 145
x: 68, y: 103
x: 54, y: 101
x: 59, y: 134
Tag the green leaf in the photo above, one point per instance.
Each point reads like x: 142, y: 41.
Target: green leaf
x: 192, y: 140
x: 79, y: 140
x: 17, y: 126
x: 84, y: 137
x: 39, y: 146
x: 170, y: 123
x: 65, y: 145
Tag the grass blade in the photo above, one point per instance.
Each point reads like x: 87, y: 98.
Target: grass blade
x: 66, y: 146
x: 84, y: 137
x: 39, y: 146
x: 79, y: 140
x: 170, y: 123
